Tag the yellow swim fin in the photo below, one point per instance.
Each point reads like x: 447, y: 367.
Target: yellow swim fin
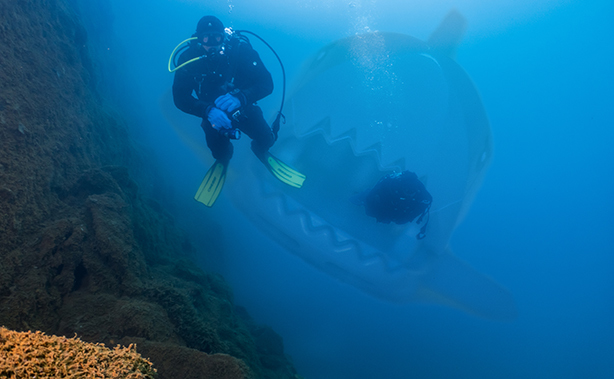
x: 212, y: 184
x: 282, y: 171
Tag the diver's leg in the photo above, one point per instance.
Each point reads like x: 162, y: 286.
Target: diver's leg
x: 262, y: 137
x: 220, y: 145
x: 221, y: 148
x: 256, y: 128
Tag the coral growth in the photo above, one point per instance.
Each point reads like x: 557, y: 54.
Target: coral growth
x: 36, y: 355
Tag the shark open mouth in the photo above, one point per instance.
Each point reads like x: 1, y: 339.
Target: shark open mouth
x: 319, y: 223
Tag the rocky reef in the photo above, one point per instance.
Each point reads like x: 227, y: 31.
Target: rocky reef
x: 82, y: 250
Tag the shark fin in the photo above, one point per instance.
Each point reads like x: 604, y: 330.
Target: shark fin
x: 448, y: 35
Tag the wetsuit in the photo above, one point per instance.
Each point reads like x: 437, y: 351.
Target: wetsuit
x: 237, y: 70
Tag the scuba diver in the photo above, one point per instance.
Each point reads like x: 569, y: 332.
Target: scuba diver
x: 219, y: 78
x: 398, y: 197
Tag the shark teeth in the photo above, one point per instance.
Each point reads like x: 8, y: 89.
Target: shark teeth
x: 350, y: 136
x: 294, y: 226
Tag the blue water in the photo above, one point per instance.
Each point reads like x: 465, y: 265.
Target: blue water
x: 541, y: 225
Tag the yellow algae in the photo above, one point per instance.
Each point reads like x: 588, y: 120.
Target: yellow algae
x: 37, y: 355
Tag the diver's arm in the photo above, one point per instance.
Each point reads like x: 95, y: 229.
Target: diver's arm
x: 183, y: 88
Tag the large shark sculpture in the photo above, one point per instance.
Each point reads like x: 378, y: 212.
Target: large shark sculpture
x: 366, y: 106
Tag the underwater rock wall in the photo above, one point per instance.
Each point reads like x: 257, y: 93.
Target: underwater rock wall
x: 81, y: 249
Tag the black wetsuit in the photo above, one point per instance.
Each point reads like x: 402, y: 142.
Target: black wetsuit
x: 238, y: 70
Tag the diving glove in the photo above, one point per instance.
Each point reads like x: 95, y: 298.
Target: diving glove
x: 228, y: 103
x: 218, y: 119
